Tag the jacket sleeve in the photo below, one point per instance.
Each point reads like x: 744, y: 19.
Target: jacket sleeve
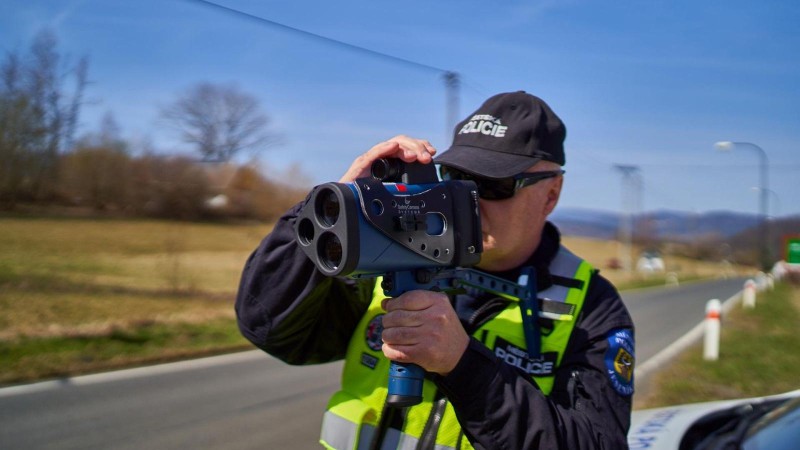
x: 499, y: 407
x: 289, y: 309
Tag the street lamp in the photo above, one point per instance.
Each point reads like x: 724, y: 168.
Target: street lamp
x: 764, y: 190
x: 774, y: 203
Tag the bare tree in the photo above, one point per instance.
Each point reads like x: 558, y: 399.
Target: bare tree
x: 219, y: 121
x: 108, y: 135
x: 38, y: 117
x: 18, y: 131
x: 97, y: 172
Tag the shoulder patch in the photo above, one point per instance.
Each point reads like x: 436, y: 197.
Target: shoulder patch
x: 374, y: 332
x: 620, y: 360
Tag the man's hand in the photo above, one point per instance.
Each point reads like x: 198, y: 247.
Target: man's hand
x: 405, y: 148
x: 421, y: 327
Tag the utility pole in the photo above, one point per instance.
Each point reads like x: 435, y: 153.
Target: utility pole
x: 452, y: 82
x: 765, y: 255
x: 631, y: 200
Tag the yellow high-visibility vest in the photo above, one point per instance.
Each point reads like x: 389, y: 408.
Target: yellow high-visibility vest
x: 353, y: 413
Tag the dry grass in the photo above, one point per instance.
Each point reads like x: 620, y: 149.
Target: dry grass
x: 599, y: 252
x: 79, y: 274
x: 82, y: 294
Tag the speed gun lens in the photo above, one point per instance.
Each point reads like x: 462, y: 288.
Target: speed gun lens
x: 327, y: 207
x: 329, y: 250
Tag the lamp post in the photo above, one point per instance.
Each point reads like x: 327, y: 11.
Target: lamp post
x: 763, y: 198
x: 631, y: 194
x: 774, y: 203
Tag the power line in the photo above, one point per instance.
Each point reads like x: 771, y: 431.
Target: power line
x: 782, y: 167
x: 318, y: 37
x: 451, y: 78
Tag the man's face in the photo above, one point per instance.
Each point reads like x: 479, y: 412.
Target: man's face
x: 512, y: 228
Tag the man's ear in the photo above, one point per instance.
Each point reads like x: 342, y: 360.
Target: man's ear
x: 553, y: 194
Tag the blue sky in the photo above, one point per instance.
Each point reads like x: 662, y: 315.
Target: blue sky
x: 646, y: 83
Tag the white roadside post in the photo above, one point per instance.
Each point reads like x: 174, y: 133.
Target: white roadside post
x: 711, y: 342
x: 761, y: 281
x: 749, y: 294
x: 672, y: 279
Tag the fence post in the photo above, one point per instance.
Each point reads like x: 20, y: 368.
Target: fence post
x: 761, y: 281
x: 749, y: 294
x: 672, y: 279
x: 711, y: 342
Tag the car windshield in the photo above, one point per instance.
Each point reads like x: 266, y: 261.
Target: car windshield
x: 771, y: 424
x: 779, y: 429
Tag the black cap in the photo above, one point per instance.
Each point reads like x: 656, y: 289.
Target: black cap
x: 507, y: 135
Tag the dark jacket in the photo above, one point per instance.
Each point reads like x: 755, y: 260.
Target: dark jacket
x: 291, y: 311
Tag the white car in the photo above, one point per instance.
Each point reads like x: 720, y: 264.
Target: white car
x: 750, y: 424
x: 650, y: 262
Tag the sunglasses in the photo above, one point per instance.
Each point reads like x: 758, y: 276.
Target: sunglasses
x: 498, y: 188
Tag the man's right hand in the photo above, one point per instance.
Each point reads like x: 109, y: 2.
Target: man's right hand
x: 421, y: 327
x: 405, y: 148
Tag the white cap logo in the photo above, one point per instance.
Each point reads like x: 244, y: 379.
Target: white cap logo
x: 484, y: 124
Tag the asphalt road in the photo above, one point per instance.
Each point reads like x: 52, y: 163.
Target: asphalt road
x: 248, y: 400
x: 663, y: 315
x: 243, y: 401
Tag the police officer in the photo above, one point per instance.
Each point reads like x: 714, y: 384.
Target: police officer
x: 484, y: 389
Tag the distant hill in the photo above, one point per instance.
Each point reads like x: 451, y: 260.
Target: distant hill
x: 586, y: 222
x: 679, y: 226
x: 664, y: 225
x: 710, y: 235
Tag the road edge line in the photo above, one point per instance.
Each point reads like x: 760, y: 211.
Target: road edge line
x: 642, y: 371
x: 124, y: 374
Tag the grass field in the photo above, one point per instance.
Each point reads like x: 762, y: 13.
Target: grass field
x: 758, y: 356
x: 598, y: 252
x: 80, y: 295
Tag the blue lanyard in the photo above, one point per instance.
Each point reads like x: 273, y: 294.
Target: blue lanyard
x: 529, y: 308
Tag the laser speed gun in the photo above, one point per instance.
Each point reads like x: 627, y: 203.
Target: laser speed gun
x: 405, y: 225
x: 399, y: 219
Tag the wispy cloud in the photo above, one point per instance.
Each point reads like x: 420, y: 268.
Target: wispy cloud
x: 527, y: 12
